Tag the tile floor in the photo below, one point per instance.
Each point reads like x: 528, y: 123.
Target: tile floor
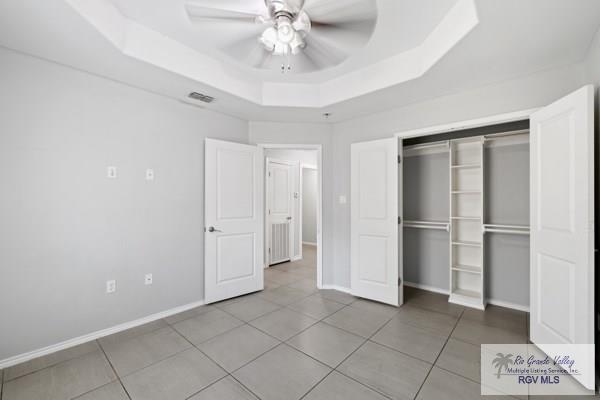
x: 290, y: 341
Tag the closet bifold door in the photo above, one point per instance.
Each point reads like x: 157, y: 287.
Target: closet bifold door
x: 466, y: 219
x: 562, y: 229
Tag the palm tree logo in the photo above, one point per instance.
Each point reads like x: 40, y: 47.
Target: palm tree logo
x: 502, y: 361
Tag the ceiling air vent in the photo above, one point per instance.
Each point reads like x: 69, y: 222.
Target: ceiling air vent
x: 202, y: 97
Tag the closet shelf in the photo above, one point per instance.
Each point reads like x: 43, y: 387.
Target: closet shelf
x: 466, y: 166
x: 471, y: 269
x: 467, y: 293
x: 466, y: 243
x: 466, y: 192
x: 467, y: 218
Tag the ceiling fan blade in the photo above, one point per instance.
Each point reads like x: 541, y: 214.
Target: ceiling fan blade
x: 322, y: 51
x: 344, y: 36
x: 341, y: 11
x: 249, y: 51
x: 199, y: 13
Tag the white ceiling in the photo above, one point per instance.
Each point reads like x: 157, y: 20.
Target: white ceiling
x: 507, y: 39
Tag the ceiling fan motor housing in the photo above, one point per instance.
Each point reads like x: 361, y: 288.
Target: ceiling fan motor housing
x: 290, y: 7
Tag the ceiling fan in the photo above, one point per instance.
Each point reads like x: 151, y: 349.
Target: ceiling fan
x: 298, y: 35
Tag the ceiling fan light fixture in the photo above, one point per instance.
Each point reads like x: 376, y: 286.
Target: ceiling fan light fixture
x: 297, y: 44
x: 269, y: 39
x: 285, y: 31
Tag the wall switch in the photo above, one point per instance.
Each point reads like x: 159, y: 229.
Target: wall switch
x: 111, y: 172
x: 111, y: 286
x: 342, y: 199
x: 148, y: 279
x: 149, y: 174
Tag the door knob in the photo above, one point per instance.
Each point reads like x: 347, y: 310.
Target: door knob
x: 212, y: 229
x: 289, y: 218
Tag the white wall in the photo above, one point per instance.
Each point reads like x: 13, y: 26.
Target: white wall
x: 65, y: 229
x: 531, y: 91
x: 592, y: 62
x: 309, y: 205
x: 302, y: 156
x: 304, y: 133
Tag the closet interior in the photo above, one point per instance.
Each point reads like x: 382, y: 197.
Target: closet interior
x: 466, y: 209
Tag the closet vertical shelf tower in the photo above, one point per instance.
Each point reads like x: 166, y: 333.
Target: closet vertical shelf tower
x: 466, y: 222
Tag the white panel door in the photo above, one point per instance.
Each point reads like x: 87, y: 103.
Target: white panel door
x: 374, y: 220
x: 562, y: 222
x: 280, y: 210
x: 233, y: 214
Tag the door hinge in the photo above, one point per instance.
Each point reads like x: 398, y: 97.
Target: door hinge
x: 399, y: 220
x: 269, y: 174
x: 399, y: 159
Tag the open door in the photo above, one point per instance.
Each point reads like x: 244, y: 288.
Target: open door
x: 280, y: 210
x: 233, y: 215
x: 562, y: 225
x: 374, y: 220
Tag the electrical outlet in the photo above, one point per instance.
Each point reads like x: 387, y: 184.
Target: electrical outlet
x: 111, y: 172
x: 342, y: 199
x: 111, y: 286
x: 148, y: 279
x: 149, y: 174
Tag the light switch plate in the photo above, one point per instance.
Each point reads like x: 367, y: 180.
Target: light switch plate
x: 111, y: 172
x: 149, y: 174
x: 111, y: 286
x: 148, y: 279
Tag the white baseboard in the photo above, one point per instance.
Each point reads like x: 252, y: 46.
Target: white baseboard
x: 434, y: 289
x: 309, y: 243
x: 8, y: 362
x: 494, y: 302
x: 427, y: 288
x: 296, y: 258
x: 338, y: 288
x: 507, y: 304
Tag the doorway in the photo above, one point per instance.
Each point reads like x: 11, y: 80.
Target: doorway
x: 293, y: 204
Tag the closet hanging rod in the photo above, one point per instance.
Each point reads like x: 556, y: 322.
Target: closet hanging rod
x: 444, y: 143
x: 507, y: 229
x: 444, y: 226
x: 426, y: 222
x: 507, y: 226
x: 505, y: 134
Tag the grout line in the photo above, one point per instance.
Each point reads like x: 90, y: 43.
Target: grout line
x: 273, y: 348
x: 204, y: 388
x: 156, y: 362
x: 439, y: 354
x: 113, y: 369
x: 229, y: 374
x: 48, y: 366
x: 245, y: 387
x: 359, y: 347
